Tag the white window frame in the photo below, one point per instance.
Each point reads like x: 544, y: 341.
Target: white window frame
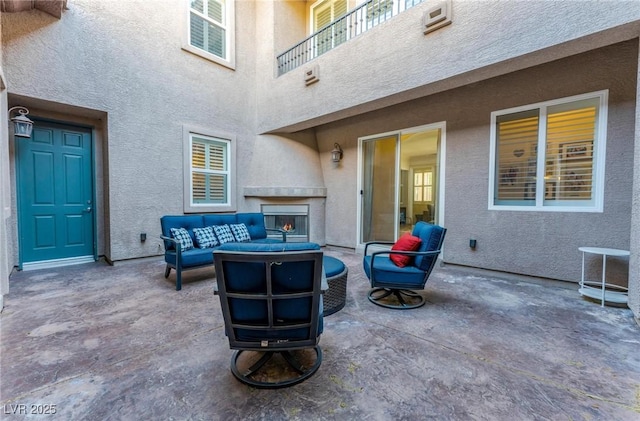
x: 596, y: 205
x: 230, y: 40
x: 188, y: 133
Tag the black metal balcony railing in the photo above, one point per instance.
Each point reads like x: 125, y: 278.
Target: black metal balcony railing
x: 350, y: 25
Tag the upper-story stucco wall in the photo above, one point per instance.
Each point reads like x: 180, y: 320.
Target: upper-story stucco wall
x: 395, y: 62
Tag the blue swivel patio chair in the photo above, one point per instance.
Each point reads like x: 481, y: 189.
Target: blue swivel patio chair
x: 393, y: 286
x: 272, y: 307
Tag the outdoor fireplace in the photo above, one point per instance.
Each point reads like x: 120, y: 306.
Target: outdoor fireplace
x: 292, y: 218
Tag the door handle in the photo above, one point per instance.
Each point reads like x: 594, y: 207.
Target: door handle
x: 88, y: 209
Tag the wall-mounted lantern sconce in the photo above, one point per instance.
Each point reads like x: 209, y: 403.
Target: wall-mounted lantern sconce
x: 336, y: 153
x: 22, y: 125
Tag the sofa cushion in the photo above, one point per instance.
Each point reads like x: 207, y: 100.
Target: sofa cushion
x: 388, y: 274
x: 224, y: 234
x: 182, y: 236
x: 240, y: 232
x: 189, y: 222
x: 254, y: 223
x: 406, y: 242
x: 205, y: 237
x: 219, y: 219
x: 191, y: 258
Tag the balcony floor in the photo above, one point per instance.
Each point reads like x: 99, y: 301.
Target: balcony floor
x: 118, y: 342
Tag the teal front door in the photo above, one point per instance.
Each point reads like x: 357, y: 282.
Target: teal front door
x: 55, y: 194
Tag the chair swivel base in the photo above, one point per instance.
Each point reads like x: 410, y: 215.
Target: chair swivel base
x: 270, y: 380
x: 405, y: 299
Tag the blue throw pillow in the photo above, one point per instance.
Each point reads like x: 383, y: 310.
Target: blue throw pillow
x: 182, y: 236
x: 205, y: 237
x: 224, y: 234
x: 240, y: 232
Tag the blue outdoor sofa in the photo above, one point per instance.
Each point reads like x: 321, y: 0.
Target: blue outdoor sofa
x: 184, y: 258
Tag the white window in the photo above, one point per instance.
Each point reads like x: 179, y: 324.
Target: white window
x: 423, y: 186
x: 211, y: 30
x: 550, y: 156
x: 209, y: 176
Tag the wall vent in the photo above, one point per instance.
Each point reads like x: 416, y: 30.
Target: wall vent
x: 437, y: 16
x: 311, y: 75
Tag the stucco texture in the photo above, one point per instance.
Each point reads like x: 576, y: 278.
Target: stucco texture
x: 125, y: 59
x: 542, y: 244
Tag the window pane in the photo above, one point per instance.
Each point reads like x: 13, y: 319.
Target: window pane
x: 215, y: 41
x: 198, y: 153
x: 209, y: 170
x: 417, y: 194
x: 217, y: 159
x: 207, y: 36
x: 417, y: 177
x: 209, y: 188
x: 215, y: 11
x: 428, y: 194
x: 570, y: 143
x: 197, y: 5
x: 516, y: 158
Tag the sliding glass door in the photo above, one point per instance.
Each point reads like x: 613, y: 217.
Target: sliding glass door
x: 379, y: 189
x: 399, y: 182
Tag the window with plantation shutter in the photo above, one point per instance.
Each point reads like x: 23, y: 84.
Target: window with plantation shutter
x: 209, y: 169
x: 323, y: 13
x: 210, y: 29
x: 208, y: 172
x: 546, y: 156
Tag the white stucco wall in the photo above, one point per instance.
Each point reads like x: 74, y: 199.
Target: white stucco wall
x: 395, y: 62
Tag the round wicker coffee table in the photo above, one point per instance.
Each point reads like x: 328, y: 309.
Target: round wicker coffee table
x: 335, y: 297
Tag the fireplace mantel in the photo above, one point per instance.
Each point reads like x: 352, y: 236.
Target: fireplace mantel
x: 285, y: 192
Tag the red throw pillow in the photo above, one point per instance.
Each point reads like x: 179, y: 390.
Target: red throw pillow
x: 407, y: 242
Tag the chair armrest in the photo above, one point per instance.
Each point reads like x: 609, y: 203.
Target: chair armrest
x: 177, y: 246
x: 170, y: 239
x: 371, y: 243
x: 406, y: 253
x: 279, y: 230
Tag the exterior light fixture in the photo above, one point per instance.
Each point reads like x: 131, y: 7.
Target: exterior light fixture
x: 22, y: 125
x: 336, y: 153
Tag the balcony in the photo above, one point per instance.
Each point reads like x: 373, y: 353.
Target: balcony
x: 355, y: 22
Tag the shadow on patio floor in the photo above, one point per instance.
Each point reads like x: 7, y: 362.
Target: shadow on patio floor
x: 118, y: 342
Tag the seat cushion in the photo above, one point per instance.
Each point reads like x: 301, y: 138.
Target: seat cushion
x: 406, y: 242
x: 191, y: 258
x: 268, y: 247
x: 432, y: 237
x: 388, y: 275
x: 332, y: 266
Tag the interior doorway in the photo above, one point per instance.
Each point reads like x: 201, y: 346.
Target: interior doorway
x: 399, y: 182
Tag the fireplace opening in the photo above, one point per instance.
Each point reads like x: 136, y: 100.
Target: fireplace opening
x: 291, y: 218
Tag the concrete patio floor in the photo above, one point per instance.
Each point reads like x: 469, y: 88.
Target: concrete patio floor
x: 119, y: 343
